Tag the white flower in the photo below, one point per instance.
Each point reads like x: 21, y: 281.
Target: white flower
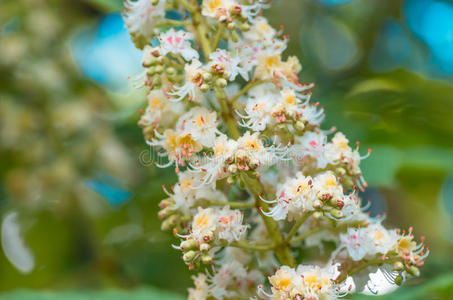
x: 216, y: 8
x: 178, y: 146
x: 190, y: 189
x: 306, y: 282
x: 204, y: 225
x: 230, y: 224
x: 141, y: 16
x: 260, y: 31
x: 258, y: 112
x: 326, y: 187
x: 159, y: 109
x: 313, y: 144
x: 201, y: 289
x: 201, y: 124
x: 222, y: 60
x: 356, y: 242
x: 193, y: 80
x: 177, y: 42
x: 294, y: 197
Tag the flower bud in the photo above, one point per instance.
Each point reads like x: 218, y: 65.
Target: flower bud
x: 398, y: 266
x: 188, y: 245
x: 336, y: 213
x: 221, y: 82
x: 169, y: 222
x: 206, y: 76
x: 231, y: 26
x: 161, y: 59
x: 189, y: 256
x: 414, y: 271
x: 155, y: 2
x: 317, y: 204
x: 157, y: 81
x: 204, y: 87
x: 317, y: 214
x: 151, y: 71
x: 299, y: 126
x: 340, y: 171
x: 244, y: 27
x: 254, y: 163
x: 205, y: 247
x: 234, y: 36
x: 206, y: 259
x: 159, y: 69
x: 170, y: 71
x: 231, y: 180
x: 232, y: 168
x: 222, y: 19
x: 398, y: 279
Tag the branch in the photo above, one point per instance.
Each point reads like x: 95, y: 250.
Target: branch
x: 282, y: 250
x: 249, y: 246
x: 297, y: 225
x: 232, y: 204
x: 174, y: 23
x: 246, y: 88
x: 306, y: 234
x: 373, y: 262
x: 218, y: 36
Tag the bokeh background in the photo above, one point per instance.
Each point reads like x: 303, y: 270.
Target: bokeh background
x: 78, y: 209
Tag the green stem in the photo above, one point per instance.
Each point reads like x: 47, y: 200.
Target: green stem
x: 249, y: 246
x: 218, y: 36
x: 227, y: 114
x: 282, y: 249
x: 174, y: 23
x: 306, y: 234
x: 356, y: 269
x: 296, y: 226
x: 200, y: 26
x: 246, y: 88
x: 230, y: 203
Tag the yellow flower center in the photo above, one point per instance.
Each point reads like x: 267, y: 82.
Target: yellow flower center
x: 214, y: 4
x: 202, y: 221
x: 155, y: 102
x: 283, y: 283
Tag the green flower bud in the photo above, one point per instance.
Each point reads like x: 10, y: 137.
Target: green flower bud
x: 398, y: 279
x: 170, y: 71
x: 157, y: 81
x: 244, y: 27
x: 188, y: 245
x: 206, y: 76
x: 221, y: 82
x: 205, y: 247
x: 318, y: 214
x: 336, y: 213
x: 414, y: 271
x: 231, y: 26
x: 204, y: 87
x: 299, y: 126
x: 189, y: 256
x: 398, y: 266
x: 206, y: 259
x: 234, y: 36
x: 232, y: 168
x: 159, y: 69
x: 151, y: 71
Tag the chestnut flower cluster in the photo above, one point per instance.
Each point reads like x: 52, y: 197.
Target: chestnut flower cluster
x: 258, y: 179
